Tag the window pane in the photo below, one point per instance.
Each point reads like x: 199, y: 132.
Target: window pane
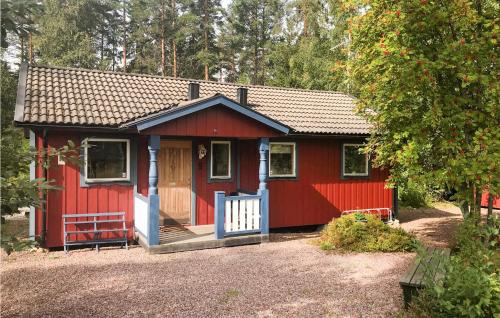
x: 354, y: 162
x: 106, y: 160
x: 220, y: 160
x: 281, y: 162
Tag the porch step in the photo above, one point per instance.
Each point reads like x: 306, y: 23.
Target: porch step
x: 175, y: 247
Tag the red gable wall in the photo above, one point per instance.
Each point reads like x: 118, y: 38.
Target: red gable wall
x: 74, y: 199
x: 218, y: 121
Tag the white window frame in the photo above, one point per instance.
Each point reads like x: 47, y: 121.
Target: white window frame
x: 294, y: 160
x: 89, y: 141
x: 220, y: 142
x: 366, y: 173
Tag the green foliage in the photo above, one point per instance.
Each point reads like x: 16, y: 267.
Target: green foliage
x: 17, y: 18
x: 414, y: 195
x: 364, y: 233
x: 312, y: 48
x: 427, y: 76
x: 471, y: 286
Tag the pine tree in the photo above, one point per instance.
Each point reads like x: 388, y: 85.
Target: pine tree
x: 69, y: 32
x: 255, y: 25
x: 152, y: 35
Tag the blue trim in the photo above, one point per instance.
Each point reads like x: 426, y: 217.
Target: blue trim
x: 154, y: 208
x: 236, y: 233
x: 242, y: 197
x: 263, y: 151
x: 154, y: 199
x: 218, y: 100
x: 219, y: 214
x: 264, y: 208
x: 193, y: 181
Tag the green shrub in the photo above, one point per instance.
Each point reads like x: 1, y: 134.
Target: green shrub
x: 414, y: 195
x: 364, y: 233
x: 471, y: 286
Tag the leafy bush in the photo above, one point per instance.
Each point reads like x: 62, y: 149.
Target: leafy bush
x: 364, y: 233
x: 471, y: 286
x: 414, y: 195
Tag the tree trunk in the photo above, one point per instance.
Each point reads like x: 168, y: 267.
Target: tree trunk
x: 30, y: 48
x: 22, y: 49
x: 490, y: 207
x: 205, y: 22
x: 162, y: 40
x: 102, y: 43
x: 174, y: 47
x: 124, y: 57
x: 304, y: 17
x: 477, y: 204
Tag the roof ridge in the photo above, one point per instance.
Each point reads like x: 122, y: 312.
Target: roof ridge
x: 189, y: 79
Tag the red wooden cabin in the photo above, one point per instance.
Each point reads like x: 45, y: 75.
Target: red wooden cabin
x: 160, y: 148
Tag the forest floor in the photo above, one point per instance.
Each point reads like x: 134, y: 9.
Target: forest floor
x: 287, y: 277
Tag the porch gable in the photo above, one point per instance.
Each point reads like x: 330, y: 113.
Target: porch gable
x: 213, y: 116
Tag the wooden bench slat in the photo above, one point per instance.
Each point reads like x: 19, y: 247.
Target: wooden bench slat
x: 439, y: 273
x: 430, y: 264
x: 421, y: 270
x: 405, y: 280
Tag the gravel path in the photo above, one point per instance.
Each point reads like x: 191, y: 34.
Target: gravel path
x: 285, y: 278
x: 434, y: 225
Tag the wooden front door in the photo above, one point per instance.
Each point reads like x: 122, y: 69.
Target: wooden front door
x: 174, y: 182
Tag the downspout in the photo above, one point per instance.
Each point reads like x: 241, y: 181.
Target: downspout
x: 44, y: 192
x: 395, y: 202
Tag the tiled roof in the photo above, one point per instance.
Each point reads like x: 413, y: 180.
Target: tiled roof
x: 62, y: 96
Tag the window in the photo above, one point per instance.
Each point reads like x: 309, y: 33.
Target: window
x: 221, y: 160
x: 107, y: 160
x: 354, y: 164
x: 282, y: 159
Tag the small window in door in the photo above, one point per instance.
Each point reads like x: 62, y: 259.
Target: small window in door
x: 220, y: 167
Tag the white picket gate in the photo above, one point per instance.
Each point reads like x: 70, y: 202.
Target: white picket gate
x: 242, y: 213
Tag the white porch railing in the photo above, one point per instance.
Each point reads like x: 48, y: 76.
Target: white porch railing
x: 141, y: 214
x: 241, y: 214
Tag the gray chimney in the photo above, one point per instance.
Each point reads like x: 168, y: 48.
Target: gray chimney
x: 241, y: 95
x: 193, y: 91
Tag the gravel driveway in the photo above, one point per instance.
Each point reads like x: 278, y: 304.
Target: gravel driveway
x: 278, y: 279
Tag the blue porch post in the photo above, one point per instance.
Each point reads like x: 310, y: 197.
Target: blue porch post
x: 154, y: 199
x: 263, y: 191
x: 219, y: 215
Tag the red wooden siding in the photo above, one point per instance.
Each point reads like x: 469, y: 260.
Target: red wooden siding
x: 205, y: 189
x: 76, y: 199
x: 142, y: 165
x: 319, y: 194
x: 217, y: 121
x: 315, y: 197
x: 496, y: 201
